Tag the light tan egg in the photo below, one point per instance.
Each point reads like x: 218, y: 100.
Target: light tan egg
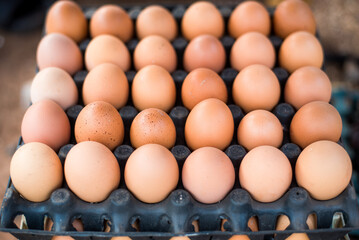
x: 260, y: 127
x: 91, y: 171
x: 153, y: 87
x: 209, y: 124
x: 249, y: 16
x: 300, y: 49
x: 291, y: 16
x: 256, y: 87
x: 155, y: 50
x: 315, y: 121
x: 36, y: 171
x: 202, y: 18
x: 208, y: 174
x: 156, y: 20
x: 111, y: 19
x: 151, y: 173
x: 55, y: 84
x: 152, y: 125
x: 265, y: 172
x: 99, y: 121
x: 307, y: 84
x: 324, y: 169
x: 252, y: 48
x: 106, y: 82
x: 107, y: 49
x: 200, y: 84
x: 46, y: 122
x: 58, y: 50
x: 66, y: 17
x: 204, y: 51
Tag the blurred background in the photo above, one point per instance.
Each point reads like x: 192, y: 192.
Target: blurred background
x: 21, y: 25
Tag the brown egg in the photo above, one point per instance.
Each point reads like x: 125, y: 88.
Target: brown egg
x: 156, y: 20
x: 208, y: 174
x: 324, y: 169
x: 55, y: 84
x: 46, y: 122
x: 155, y: 50
x: 239, y: 237
x: 200, y: 84
x: 152, y: 125
x: 58, y: 50
x: 66, y: 17
x: 62, y: 238
x: 260, y: 127
x: 180, y: 238
x: 283, y: 222
x: 36, y: 171
x: 249, y: 16
x: 307, y: 84
x: 204, y: 51
x: 252, y: 48
x: 107, y: 49
x: 315, y: 121
x: 113, y: 20
x: 106, y: 82
x: 256, y: 87
x: 266, y: 173
x: 202, y: 18
x: 300, y: 49
x: 209, y: 124
x: 291, y: 16
x: 153, y: 87
x: 151, y: 173
x: 91, y: 171
x: 101, y: 122
x: 121, y: 238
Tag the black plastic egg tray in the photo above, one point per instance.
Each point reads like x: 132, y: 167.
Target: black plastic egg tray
x: 124, y: 215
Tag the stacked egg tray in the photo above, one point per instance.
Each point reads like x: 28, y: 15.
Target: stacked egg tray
x: 124, y: 215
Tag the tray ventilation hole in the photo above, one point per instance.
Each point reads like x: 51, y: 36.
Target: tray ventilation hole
x: 253, y: 223
x: 195, y: 224
x: 48, y: 223
x: 107, y: 225
x: 20, y: 221
x: 136, y: 225
x: 78, y: 225
x: 338, y: 220
x: 312, y: 221
x: 282, y: 222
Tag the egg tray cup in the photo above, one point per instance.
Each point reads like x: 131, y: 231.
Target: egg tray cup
x: 121, y: 214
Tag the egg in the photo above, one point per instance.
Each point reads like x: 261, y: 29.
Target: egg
x: 91, y: 171
x: 208, y: 174
x: 36, y: 171
x: 204, y: 51
x: 283, y: 222
x: 200, y: 84
x: 113, y: 20
x: 155, y: 50
x: 107, y: 49
x: 62, y: 238
x: 307, y: 84
x: 156, y: 20
x: 324, y: 169
x: 249, y: 16
x: 260, y: 127
x: 58, y: 50
x: 252, y: 48
x: 121, y: 238
x: 209, y: 124
x: 152, y: 125
x: 300, y: 49
x: 55, y: 84
x: 202, y: 18
x: 239, y: 237
x: 256, y: 87
x: 180, y: 238
x: 153, y: 87
x: 151, y: 173
x: 106, y: 82
x: 46, y: 122
x: 99, y: 121
x: 66, y: 17
x: 266, y: 173
x: 291, y: 16
x: 315, y: 121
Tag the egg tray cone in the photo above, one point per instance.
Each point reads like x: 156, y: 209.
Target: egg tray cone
x: 174, y: 216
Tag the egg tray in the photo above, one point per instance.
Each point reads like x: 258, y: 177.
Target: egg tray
x: 125, y: 215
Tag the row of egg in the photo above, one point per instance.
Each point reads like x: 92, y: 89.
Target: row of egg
x: 199, y: 18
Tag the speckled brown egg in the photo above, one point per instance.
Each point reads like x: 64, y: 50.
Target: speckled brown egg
x: 99, y: 121
x: 152, y: 125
